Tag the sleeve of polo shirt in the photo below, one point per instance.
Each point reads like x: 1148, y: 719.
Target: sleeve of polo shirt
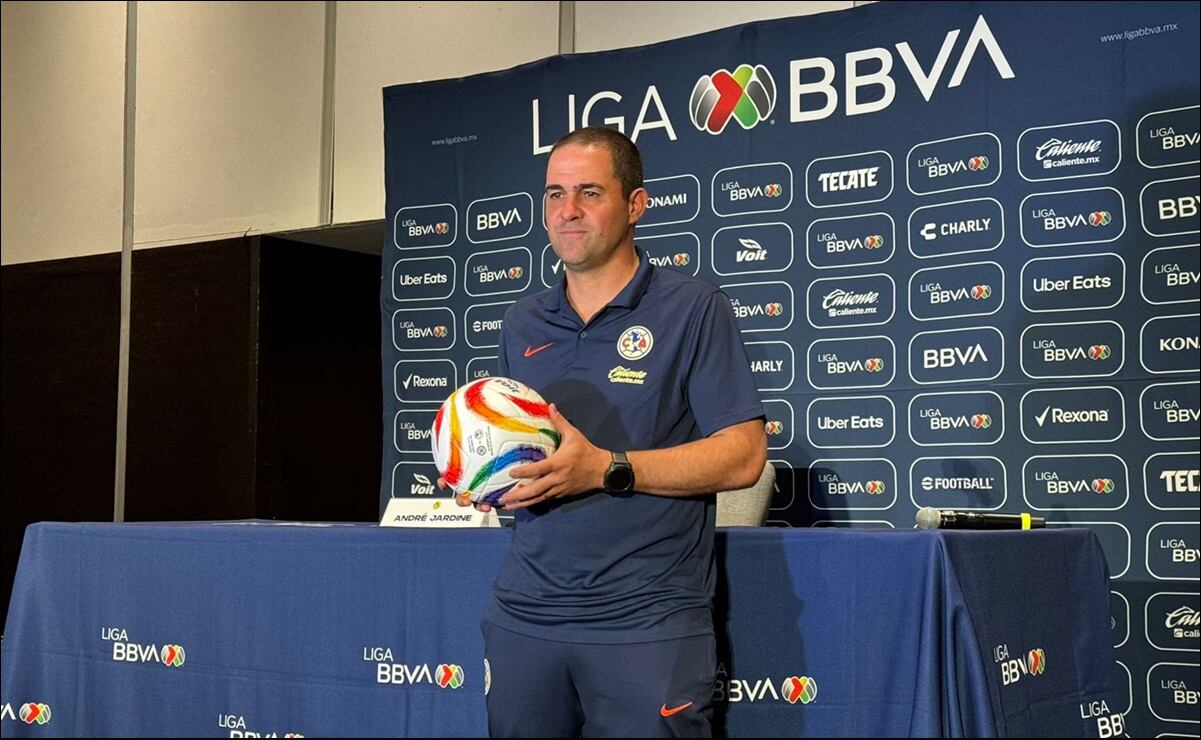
x: 720, y: 388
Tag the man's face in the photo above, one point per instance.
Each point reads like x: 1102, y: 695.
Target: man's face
x: 586, y: 216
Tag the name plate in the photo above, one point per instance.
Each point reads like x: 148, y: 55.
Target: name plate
x: 439, y: 512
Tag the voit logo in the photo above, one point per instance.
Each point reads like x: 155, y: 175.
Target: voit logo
x: 387, y: 671
x: 30, y: 713
x: 737, y: 250
x: 124, y: 651
x: 746, y: 95
x: 1022, y: 665
x: 793, y: 689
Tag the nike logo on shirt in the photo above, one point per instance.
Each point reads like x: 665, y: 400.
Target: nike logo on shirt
x: 531, y: 351
x: 665, y: 712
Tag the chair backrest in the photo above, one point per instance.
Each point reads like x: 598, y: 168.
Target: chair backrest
x: 747, y: 507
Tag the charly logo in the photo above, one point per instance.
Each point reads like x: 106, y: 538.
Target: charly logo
x: 747, y: 95
x: 635, y: 343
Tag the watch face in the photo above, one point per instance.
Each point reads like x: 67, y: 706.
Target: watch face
x: 619, y: 478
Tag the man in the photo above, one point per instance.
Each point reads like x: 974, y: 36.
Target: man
x: 601, y: 619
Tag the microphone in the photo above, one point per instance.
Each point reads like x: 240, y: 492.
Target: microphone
x: 931, y: 518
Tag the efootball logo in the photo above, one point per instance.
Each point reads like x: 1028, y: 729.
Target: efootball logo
x: 748, y: 95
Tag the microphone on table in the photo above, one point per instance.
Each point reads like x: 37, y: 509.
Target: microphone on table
x: 931, y: 518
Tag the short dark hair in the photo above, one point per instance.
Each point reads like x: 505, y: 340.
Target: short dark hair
x: 627, y: 162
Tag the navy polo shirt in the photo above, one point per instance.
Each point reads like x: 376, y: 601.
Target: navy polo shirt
x: 662, y: 364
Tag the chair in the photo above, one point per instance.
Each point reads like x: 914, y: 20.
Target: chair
x: 747, y: 507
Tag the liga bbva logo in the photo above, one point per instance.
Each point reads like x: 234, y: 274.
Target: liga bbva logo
x: 30, y: 712
x: 747, y: 95
x: 444, y: 675
x: 124, y: 651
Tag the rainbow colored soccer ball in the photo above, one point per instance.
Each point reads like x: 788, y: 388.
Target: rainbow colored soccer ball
x: 484, y: 429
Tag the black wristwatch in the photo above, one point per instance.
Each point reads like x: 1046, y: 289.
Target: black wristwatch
x: 619, y: 478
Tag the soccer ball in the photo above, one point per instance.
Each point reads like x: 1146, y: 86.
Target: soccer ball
x: 484, y: 429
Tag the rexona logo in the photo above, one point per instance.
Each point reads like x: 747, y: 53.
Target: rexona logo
x: 747, y: 95
x: 125, y: 651
x: 29, y: 713
x: 1032, y: 663
x: 793, y: 690
x: 443, y: 675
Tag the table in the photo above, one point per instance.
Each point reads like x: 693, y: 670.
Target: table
x: 246, y: 628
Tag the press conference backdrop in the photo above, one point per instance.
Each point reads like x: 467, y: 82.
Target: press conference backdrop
x: 961, y: 240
